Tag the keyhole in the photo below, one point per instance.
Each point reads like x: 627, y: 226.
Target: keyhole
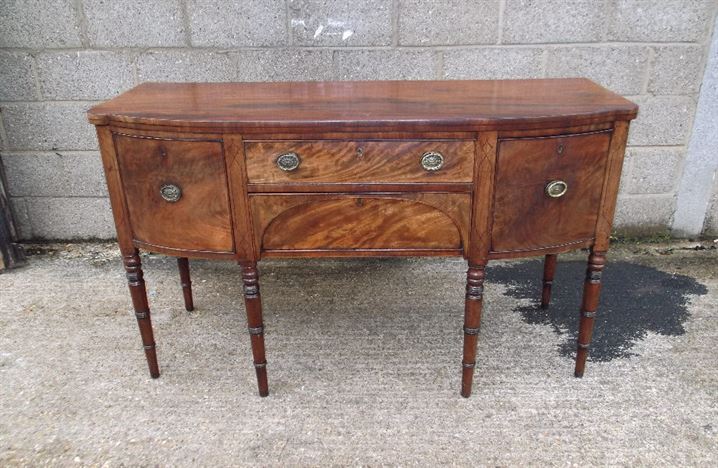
x: 163, y: 152
x: 559, y: 149
x: 360, y: 152
x: 360, y: 202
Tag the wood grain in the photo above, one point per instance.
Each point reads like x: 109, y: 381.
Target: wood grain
x: 589, y: 305
x: 371, y: 221
x: 115, y: 190
x: 333, y: 187
x: 483, y: 198
x: 201, y: 219
x: 473, y: 304
x: 359, y: 161
x: 138, y: 292
x: 367, y: 105
x: 611, y: 185
x: 185, y: 282
x: 255, y: 323
x: 525, y: 217
x: 549, y: 270
x: 239, y: 198
x: 360, y: 189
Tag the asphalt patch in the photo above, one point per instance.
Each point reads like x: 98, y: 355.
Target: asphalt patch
x: 635, y: 300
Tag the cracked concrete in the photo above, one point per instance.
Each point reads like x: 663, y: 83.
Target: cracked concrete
x: 363, y: 367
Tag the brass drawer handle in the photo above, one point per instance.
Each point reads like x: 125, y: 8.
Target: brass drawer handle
x: 288, y: 161
x: 556, y: 188
x: 171, y: 192
x: 432, y: 161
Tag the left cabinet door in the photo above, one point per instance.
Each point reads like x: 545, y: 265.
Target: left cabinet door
x: 176, y: 192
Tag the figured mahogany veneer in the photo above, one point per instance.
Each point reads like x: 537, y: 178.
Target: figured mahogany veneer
x: 351, y: 162
x: 524, y: 217
x: 200, y: 219
x: 388, y: 224
x: 482, y: 169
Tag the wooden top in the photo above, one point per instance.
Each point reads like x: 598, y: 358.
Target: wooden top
x: 367, y: 105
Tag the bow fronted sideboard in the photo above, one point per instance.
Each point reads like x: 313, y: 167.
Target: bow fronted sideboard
x: 479, y: 169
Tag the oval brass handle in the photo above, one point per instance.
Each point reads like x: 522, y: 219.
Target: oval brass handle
x: 288, y: 161
x: 556, y: 188
x: 171, y: 192
x: 432, y: 161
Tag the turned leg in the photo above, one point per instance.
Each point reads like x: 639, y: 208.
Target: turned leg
x: 253, y: 303
x: 591, y: 290
x: 472, y: 320
x: 549, y: 268
x: 136, y: 282
x: 183, y: 265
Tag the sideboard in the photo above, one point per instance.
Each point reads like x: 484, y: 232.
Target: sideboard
x: 480, y: 169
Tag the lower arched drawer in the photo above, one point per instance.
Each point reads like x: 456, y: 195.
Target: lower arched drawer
x: 333, y: 223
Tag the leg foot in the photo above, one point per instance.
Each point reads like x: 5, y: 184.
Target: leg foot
x: 549, y: 268
x: 591, y: 291
x: 472, y: 320
x: 253, y: 303
x: 136, y: 283
x: 183, y: 265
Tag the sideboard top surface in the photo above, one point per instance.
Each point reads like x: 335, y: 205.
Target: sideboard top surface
x: 366, y: 105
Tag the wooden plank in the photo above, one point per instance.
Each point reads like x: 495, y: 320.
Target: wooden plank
x: 11, y: 252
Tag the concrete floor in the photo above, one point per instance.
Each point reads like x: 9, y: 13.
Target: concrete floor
x: 363, y: 365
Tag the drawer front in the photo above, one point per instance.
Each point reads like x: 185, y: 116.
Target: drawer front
x: 313, y: 222
x: 176, y: 192
x: 548, y: 190
x: 335, y: 161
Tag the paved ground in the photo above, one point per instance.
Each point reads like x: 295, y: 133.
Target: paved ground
x: 363, y: 365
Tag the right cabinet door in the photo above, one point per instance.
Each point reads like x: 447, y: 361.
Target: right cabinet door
x: 548, y: 190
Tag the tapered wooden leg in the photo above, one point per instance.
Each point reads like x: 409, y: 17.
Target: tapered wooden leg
x: 472, y: 320
x: 591, y: 291
x: 253, y: 303
x: 549, y: 268
x: 136, y: 282
x: 183, y: 265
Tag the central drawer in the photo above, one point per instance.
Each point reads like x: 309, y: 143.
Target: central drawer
x: 369, y: 161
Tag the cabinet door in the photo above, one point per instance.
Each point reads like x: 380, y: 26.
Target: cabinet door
x: 548, y: 190
x: 176, y: 192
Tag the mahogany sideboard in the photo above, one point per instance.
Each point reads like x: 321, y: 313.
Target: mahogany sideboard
x: 479, y: 169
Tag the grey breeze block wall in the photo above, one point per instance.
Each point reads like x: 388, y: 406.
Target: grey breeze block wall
x: 59, y: 57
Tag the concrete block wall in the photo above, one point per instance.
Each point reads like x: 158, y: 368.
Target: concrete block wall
x: 59, y: 57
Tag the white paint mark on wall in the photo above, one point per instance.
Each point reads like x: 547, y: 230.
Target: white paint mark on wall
x: 333, y: 27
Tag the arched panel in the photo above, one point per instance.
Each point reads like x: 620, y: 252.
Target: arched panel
x: 353, y: 222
